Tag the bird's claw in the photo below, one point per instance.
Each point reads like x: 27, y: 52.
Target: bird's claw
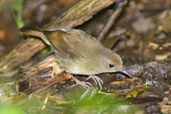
x: 96, y: 79
x: 83, y: 84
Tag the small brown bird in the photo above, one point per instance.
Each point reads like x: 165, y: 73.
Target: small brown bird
x: 79, y: 53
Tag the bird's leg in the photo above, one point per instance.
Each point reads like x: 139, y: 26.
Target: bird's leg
x: 81, y: 83
x: 96, y: 79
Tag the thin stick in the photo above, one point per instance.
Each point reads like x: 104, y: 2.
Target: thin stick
x: 112, y: 19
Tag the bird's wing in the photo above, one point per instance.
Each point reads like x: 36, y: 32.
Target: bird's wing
x: 74, y: 44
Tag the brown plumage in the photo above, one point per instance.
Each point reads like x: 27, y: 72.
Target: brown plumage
x: 79, y: 53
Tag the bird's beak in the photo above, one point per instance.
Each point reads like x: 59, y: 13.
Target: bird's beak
x: 126, y: 73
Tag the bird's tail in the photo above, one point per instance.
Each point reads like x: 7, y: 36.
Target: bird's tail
x: 35, y: 33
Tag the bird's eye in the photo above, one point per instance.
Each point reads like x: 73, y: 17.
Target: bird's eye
x: 111, y: 65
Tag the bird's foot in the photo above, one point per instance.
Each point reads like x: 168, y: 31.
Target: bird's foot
x: 81, y: 83
x: 96, y: 79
